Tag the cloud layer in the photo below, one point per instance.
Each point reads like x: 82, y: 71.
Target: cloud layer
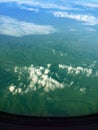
x: 77, y: 70
x: 60, y: 6
x: 35, y: 78
x: 22, y: 7
x: 54, y: 4
x: 93, y: 5
x: 37, y: 3
x: 14, y: 27
x: 85, y: 19
x: 38, y: 78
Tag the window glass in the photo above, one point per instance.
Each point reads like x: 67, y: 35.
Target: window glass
x: 49, y: 57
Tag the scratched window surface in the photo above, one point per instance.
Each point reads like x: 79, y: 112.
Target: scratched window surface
x: 49, y: 57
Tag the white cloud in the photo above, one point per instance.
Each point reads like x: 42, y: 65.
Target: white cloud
x: 42, y: 4
x: 85, y: 19
x: 71, y: 83
x: 72, y: 30
x: 59, y: 53
x: 76, y: 70
x: 96, y: 74
x: 33, y: 3
x: 12, y: 88
x: 83, y: 90
x: 38, y: 77
x: 43, y: 80
x: 93, y: 64
x: 35, y: 10
x: 13, y: 27
x: 87, y: 4
x: 90, y: 29
x: 49, y: 4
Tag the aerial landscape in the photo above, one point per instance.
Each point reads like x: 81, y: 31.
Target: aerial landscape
x: 49, y: 57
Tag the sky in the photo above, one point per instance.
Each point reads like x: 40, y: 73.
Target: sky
x: 84, y: 11
x: 60, y: 4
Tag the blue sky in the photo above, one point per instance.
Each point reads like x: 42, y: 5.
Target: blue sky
x: 83, y: 11
x: 59, y: 4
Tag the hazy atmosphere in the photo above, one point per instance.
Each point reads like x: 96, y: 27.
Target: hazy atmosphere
x: 49, y: 57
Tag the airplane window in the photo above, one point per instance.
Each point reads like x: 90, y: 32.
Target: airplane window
x: 49, y: 57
